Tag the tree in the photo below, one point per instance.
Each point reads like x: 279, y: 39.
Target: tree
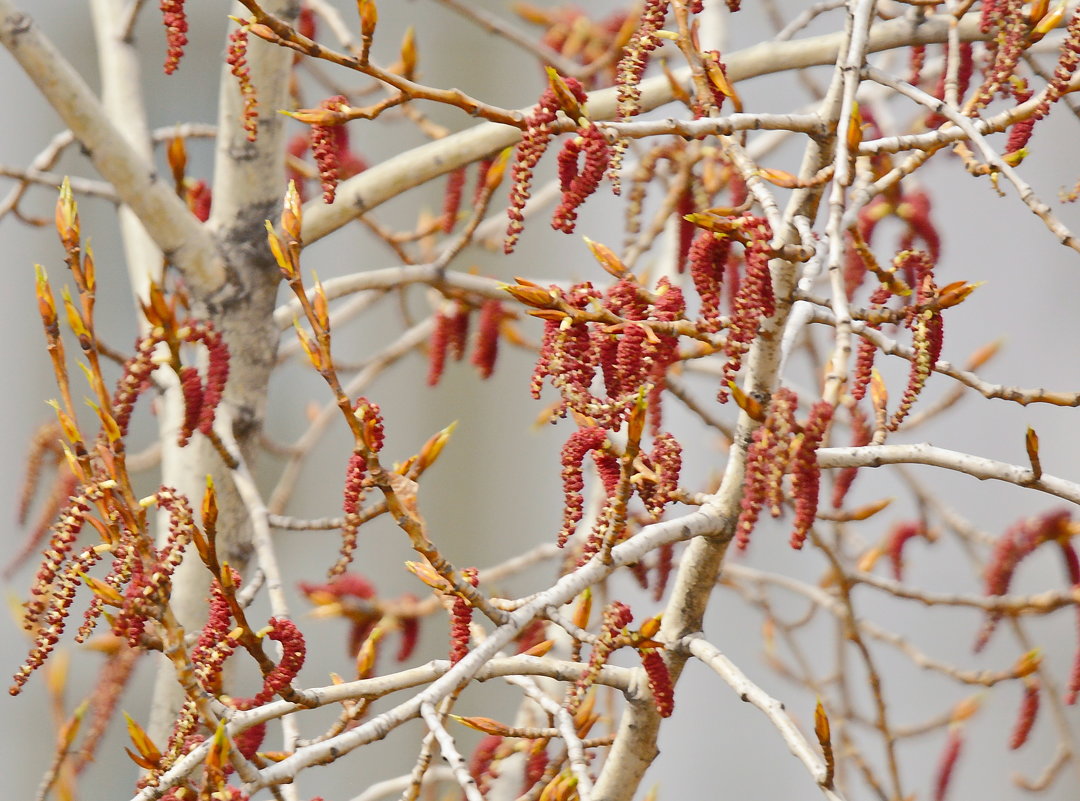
x: 734, y: 300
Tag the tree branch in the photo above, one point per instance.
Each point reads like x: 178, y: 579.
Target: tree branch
x: 165, y: 216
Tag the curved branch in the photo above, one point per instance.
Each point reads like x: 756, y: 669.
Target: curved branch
x: 713, y: 658
x: 975, y: 466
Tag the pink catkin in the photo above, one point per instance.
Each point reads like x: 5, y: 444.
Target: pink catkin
x: 236, y: 58
x: 947, y: 763
x: 455, y: 185
x: 293, y: 654
x: 577, y: 183
x: 437, y: 347
x: 660, y: 684
x: 486, y: 350
x: 1016, y: 544
x: 707, y: 257
x: 529, y: 151
x: 330, y: 146
x: 1025, y: 719
x: 573, y: 455
x: 174, y: 17
x: 766, y: 462
x: 805, y: 474
x: 861, y: 434
x: 753, y: 301
x: 460, y: 618
x: 895, y: 542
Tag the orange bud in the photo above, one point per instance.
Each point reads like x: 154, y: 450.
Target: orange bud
x: 307, y: 345
x: 1028, y: 663
x: 1031, y: 443
x: 607, y: 258
x: 718, y: 79
x: 540, y: 649
x: 218, y: 754
x: 408, y: 54
x: 781, y: 178
x: 486, y: 725
x: 966, y: 708
x: 869, y: 559
x: 531, y: 296
x: 70, y: 729
x: 497, y: 170
x: 1048, y: 22
x: 75, y: 320
x: 284, y: 263
x: 879, y: 394
x: 209, y: 503
x: 748, y: 404
x: 678, y: 91
x: 67, y: 217
x: 108, y: 423
x: 434, y: 446
x: 983, y: 355
x: 46, y: 302
x: 650, y: 627
x: 369, y: 651
x: 567, y: 101
x: 321, y: 306
x: 264, y: 32
x: 292, y: 213
x: 867, y: 511
x: 426, y: 573
x: 105, y: 592
x: 584, y: 609
x: 635, y: 426
x: 89, y: 278
x: 549, y: 314
x: 67, y: 423
x: 369, y: 16
x: 176, y: 155
x: 955, y: 293
x: 855, y: 128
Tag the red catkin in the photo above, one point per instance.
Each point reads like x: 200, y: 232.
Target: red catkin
x: 460, y: 618
x: 947, y: 763
x: 486, y: 350
x: 1025, y: 718
x: 663, y: 691
x: 573, y: 455
x: 437, y: 346
x: 805, y: 474
x: 174, y: 17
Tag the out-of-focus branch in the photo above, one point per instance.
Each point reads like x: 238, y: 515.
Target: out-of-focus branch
x: 165, y: 216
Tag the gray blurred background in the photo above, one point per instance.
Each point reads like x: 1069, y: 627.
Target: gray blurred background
x: 496, y: 490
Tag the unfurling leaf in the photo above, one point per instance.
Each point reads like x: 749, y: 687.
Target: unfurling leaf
x: 142, y: 742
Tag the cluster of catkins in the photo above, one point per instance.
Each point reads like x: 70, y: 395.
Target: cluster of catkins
x: 781, y: 446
